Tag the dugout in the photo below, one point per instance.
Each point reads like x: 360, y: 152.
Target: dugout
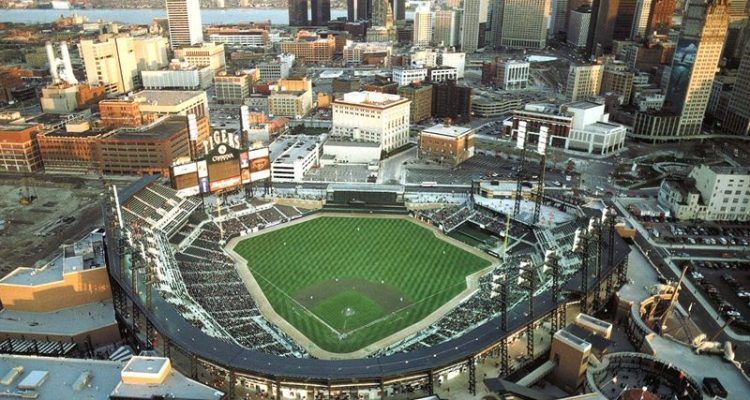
x: 365, y: 195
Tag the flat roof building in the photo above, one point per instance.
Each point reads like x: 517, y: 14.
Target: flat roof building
x: 372, y: 117
x: 292, y: 156
x: 19, y: 149
x: 446, y: 144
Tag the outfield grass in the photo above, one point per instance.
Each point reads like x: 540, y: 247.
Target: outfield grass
x: 416, y: 271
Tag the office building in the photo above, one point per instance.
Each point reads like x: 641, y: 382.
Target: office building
x: 309, y: 48
x: 558, y: 18
x: 584, y: 81
x: 179, y: 75
x: 446, y: 144
x: 617, y: 78
x: 470, y: 26
x: 710, y: 193
x: 640, y: 19
x: 298, y: 13
x: 19, y: 149
x: 358, y: 10
x: 276, y: 69
x: 660, y: 17
x: 421, y: 101
x: 579, y: 25
x: 65, y: 98
x: 446, y: 31
x: 233, y: 89
x: 110, y: 62
x: 422, y: 27
x: 737, y: 120
x: 403, y: 76
x: 254, y: 38
x: 151, y: 52
x: 513, y: 74
x: 456, y: 60
x: 525, y: 23
x: 451, y: 101
x: 206, y: 54
x: 291, y: 98
x: 602, y: 26
x: 626, y: 10
x: 185, y: 26
x: 695, y: 63
x: 399, y: 10
x: 321, y: 12
x: 441, y: 74
x: 152, y: 104
x: 372, y: 117
x: 365, y: 53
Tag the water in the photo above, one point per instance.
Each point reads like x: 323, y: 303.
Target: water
x: 144, y: 16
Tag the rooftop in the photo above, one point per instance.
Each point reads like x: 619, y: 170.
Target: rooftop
x: 584, y: 105
x: 288, y: 149
x: 67, y: 378
x: 65, y: 322
x: 88, y: 255
x: 376, y: 99
x: 160, y: 130
x: 166, y: 97
x: 15, y: 127
x: 451, y: 130
x: 603, y: 127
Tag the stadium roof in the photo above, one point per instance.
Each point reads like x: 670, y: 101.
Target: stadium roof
x: 66, y: 322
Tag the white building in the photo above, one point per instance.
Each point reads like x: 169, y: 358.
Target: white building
x: 292, y: 156
x: 442, y: 74
x: 711, y: 193
x: 513, y: 74
x: 422, y: 33
x: 354, y: 52
x: 185, y: 26
x: 110, y: 62
x: 456, y: 60
x: 210, y: 54
x: 423, y: 58
x: 254, y: 38
x: 276, y: 69
x: 372, y: 117
x: 591, y: 130
x: 405, y: 76
x: 178, y: 76
x: 151, y: 52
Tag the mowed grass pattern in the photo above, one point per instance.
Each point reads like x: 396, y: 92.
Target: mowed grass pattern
x: 395, y: 252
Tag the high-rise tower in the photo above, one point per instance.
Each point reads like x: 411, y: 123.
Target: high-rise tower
x: 470, y: 26
x: 321, y: 12
x: 738, y: 110
x: 695, y: 62
x: 185, y: 26
x: 298, y: 12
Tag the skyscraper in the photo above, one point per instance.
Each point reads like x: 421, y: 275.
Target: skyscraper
x: 695, y: 62
x: 110, y: 62
x: 380, y: 11
x: 445, y: 28
x: 738, y: 110
x: 660, y: 17
x: 298, y: 12
x: 602, y: 27
x: 623, y: 28
x: 470, y: 26
x: 498, y: 8
x: 399, y: 9
x: 357, y: 10
x: 422, y: 27
x: 525, y: 23
x: 185, y: 26
x: 321, y: 12
x: 641, y: 18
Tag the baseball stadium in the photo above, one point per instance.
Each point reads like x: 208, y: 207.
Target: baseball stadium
x: 352, y: 290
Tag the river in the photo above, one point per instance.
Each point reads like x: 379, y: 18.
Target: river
x: 144, y: 16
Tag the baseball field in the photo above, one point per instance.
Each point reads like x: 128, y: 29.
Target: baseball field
x: 346, y: 282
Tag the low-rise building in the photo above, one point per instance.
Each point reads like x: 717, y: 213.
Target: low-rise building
x: 291, y: 97
x: 681, y: 197
x: 359, y: 52
x: 63, y: 98
x: 204, y: 54
x: 179, y: 75
x: 276, y: 69
x: 310, y: 48
x: 233, y: 89
x: 724, y: 190
x: 19, y: 148
x: 253, y: 38
x: 451, y: 101
x: 372, y: 117
x: 513, y: 74
x: 405, y: 76
x: 292, y: 156
x: 442, y: 74
x: 446, y: 144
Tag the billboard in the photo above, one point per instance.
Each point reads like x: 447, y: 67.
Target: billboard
x: 244, y: 160
x: 679, y: 75
x: 185, y: 169
x: 203, y: 184
x: 225, y: 183
x: 202, y: 169
x: 224, y: 167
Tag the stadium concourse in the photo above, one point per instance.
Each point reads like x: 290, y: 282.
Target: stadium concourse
x: 177, y: 291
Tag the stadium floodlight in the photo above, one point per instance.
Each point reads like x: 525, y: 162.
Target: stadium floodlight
x: 521, y: 135
x: 577, y: 239
x: 541, y: 146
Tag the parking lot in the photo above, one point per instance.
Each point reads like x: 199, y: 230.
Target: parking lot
x: 705, y: 233
x: 726, y: 284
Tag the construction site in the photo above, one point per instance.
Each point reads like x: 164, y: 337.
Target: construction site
x: 38, y: 213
